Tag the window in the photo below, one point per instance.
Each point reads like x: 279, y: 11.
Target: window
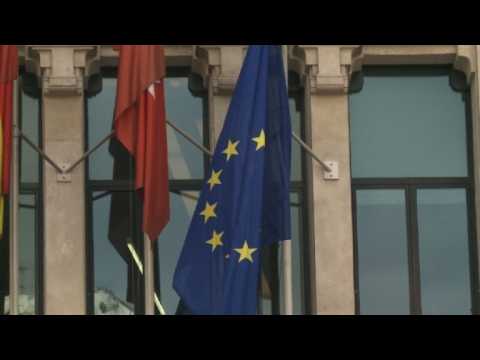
x: 114, y: 215
x: 412, y: 191
x: 114, y: 239
x: 30, y: 214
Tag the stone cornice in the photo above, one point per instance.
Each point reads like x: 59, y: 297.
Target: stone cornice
x: 219, y: 65
x: 327, y: 68
x: 63, y: 70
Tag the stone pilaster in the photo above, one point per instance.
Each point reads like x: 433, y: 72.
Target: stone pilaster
x: 220, y: 68
x: 63, y: 73
x: 326, y: 77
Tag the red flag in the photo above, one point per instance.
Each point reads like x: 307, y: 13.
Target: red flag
x: 8, y: 74
x: 140, y: 125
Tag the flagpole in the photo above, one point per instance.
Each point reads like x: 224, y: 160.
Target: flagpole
x: 149, y: 277
x: 14, y: 199
x: 287, y: 245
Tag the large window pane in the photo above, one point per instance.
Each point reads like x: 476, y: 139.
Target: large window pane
x: 408, y: 122
x: 296, y: 149
x: 100, y: 121
x: 170, y: 245
x: 28, y: 254
x: 30, y: 125
x: 183, y: 109
x: 444, y: 259
x: 382, y: 252
x: 115, y: 285
x: 186, y: 112
x: 4, y: 274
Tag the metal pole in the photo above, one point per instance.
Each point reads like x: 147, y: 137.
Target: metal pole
x: 311, y: 153
x: 149, y: 277
x: 287, y: 245
x: 190, y: 139
x: 90, y: 152
x: 39, y: 151
x: 14, y: 202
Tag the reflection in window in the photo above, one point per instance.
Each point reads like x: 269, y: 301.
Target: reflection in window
x: 410, y: 131
x: 444, y: 261
x: 170, y: 245
x: 187, y: 112
x: 183, y: 109
x: 112, y: 274
x: 28, y: 253
x: 30, y: 216
x: 382, y: 252
x: 408, y: 122
x: 116, y: 278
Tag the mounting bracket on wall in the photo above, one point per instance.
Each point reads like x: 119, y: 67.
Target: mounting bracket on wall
x: 333, y: 174
x: 64, y: 177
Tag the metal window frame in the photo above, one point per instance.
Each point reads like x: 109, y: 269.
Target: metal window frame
x: 36, y: 190
x: 411, y: 186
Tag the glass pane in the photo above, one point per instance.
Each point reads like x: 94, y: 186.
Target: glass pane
x: 113, y: 263
x: 382, y: 252
x: 4, y: 273
x: 444, y: 252
x: 170, y: 245
x: 28, y: 253
x: 296, y: 149
x: 30, y: 126
x: 183, y: 109
x: 186, y: 112
x: 100, y: 121
x: 408, y: 123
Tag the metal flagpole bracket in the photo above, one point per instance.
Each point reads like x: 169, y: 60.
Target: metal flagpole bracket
x: 333, y: 174
x: 330, y: 168
x: 64, y: 176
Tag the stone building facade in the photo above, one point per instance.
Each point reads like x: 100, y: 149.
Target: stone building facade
x: 64, y: 82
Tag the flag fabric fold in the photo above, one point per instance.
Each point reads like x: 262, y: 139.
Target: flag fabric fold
x: 140, y: 126
x: 8, y: 75
x: 244, y: 205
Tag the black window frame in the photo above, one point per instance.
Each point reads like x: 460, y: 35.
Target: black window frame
x: 178, y: 186
x: 411, y: 185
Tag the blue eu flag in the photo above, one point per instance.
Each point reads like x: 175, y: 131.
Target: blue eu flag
x: 244, y: 205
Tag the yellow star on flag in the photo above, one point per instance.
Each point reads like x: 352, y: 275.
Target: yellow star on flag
x: 245, y: 253
x: 231, y: 149
x: 209, y: 212
x: 261, y: 140
x: 216, y: 240
x: 215, y: 179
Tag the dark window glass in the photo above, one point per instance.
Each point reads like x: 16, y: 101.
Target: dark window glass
x: 444, y: 260
x: 408, y: 123
x: 382, y: 252
x: 115, y: 245
x: 170, y: 245
x: 29, y: 216
x: 183, y: 109
x: 410, y: 128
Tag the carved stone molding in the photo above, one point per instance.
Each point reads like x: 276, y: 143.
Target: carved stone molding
x: 465, y: 60
x: 63, y: 70
x: 462, y: 57
x: 327, y: 68
x: 220, y: 65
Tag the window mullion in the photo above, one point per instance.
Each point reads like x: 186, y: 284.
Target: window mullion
x: 413, y: 251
